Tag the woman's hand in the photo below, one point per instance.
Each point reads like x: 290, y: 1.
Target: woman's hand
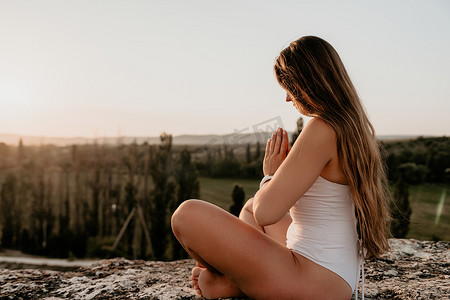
x: 277, y: 149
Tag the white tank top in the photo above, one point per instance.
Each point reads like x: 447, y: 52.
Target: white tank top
x: 323, y: 229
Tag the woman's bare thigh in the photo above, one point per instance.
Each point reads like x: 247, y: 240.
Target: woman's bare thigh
x: 276, y: 231
x: 261, y: 267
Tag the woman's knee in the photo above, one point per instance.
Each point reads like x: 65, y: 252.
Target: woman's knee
x: 246, y: 210
x: 248, y: 205
x: 183, y: 214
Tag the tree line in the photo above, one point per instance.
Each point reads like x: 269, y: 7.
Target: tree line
x: 75, y: 201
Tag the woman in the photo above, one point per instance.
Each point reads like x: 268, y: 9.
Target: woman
x: 297, y: 238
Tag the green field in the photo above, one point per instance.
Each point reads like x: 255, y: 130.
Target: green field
x: 424, y: 200
x: 218, y: 191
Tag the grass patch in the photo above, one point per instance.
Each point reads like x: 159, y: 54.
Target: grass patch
x: 424, y: 200
x: 218, y: 190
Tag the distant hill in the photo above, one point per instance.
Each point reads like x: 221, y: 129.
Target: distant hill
x: 208, y: 139
x: 13, y: 139
x: 400, y: 137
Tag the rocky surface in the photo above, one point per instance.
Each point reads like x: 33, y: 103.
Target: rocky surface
x: 411, y: 270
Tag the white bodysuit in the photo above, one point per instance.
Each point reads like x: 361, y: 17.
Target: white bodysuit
x: 323, y: 229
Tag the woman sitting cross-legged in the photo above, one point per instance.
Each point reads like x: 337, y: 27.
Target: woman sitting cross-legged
x: 304, y: 233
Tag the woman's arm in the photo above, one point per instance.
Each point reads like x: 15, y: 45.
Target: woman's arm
x: 310, y: 153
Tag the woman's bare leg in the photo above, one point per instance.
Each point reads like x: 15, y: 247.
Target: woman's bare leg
x: 220, y: 282
x: 246, y: 256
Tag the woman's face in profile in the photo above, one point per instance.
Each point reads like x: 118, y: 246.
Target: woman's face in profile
x: 289, y: 98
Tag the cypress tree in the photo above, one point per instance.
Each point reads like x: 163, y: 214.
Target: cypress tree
x: 188, y: 187
x: 400, y: 209
x: 248, y: 154
x: 297, y: 131
x: 238, y: 196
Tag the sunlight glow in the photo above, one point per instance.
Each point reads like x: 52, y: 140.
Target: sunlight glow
x: 13, y: 94
x: 439, y: 209
x: 206, y: 67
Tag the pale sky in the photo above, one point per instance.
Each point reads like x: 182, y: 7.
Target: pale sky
x: 100, y: 68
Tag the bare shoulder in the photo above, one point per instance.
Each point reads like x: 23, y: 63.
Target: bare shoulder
x: 317, y: 139
x: 318, y: 130
x: 320, y: 125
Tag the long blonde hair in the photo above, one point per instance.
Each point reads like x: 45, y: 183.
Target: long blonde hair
x: 313, y: 73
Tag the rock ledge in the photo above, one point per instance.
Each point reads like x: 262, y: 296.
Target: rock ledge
x: 411, y: 270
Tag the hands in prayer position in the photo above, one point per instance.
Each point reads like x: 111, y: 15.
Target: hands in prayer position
x: 277, y: 149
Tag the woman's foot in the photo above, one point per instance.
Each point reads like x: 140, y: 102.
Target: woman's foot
x: 194, y: 279
x: 212, y: 286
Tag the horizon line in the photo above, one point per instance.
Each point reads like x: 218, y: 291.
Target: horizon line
x: 183, y: 139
